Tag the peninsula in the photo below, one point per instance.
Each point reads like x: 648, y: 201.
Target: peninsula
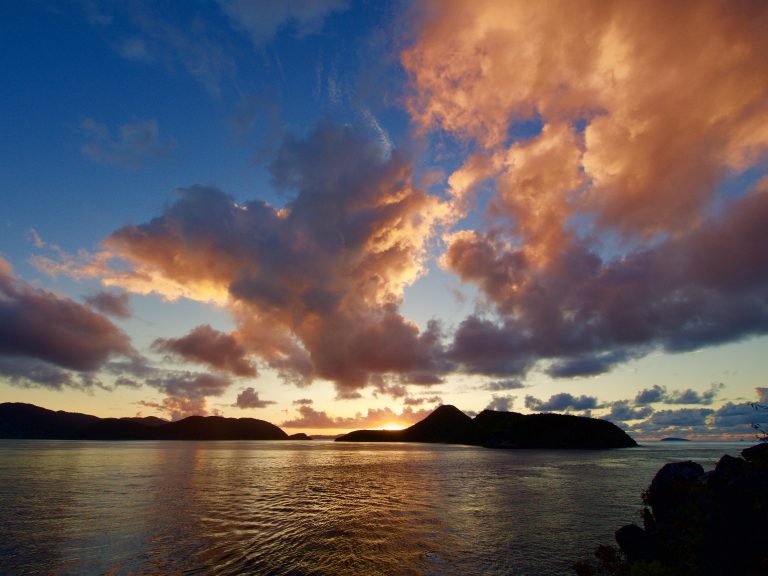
x: 449, y: 425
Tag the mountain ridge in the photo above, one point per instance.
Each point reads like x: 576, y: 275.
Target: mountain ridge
x: 27, y: 421
x: 492, y: 429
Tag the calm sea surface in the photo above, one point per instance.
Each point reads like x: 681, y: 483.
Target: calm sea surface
x: 316, y: 507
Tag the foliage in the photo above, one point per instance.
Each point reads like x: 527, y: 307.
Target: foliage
x: 762, y: 431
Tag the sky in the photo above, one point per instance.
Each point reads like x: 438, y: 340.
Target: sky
x: 340, y: 214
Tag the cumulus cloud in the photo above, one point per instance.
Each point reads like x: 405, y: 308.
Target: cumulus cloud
x: 502, y: 403
x: 508, y: 384
x: 208, y: 346
x: 111, y: 304
x: 731, y: 420
x: 32, y: 373
x: 634, y: 143
x: 40, y: 325
x: 249, y: 398
x: 561, y: 402
x: 688, y: 396
x: 650, y: 395
x: 315, y: 286
x: 132, y: 146
x: 623, y: 410
x: 372, y: 418
x: 263, y: 20
x: 762, y: 395
x: 186, y: 393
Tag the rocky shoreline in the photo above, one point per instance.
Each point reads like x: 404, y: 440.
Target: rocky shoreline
x: 696, y: 523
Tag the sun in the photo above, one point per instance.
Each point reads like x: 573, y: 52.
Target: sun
x: 392, y: 426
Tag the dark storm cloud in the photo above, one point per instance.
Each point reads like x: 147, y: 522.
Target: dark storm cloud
x: 208, y: 346
x: 111, y: 304
x: 38, y: 324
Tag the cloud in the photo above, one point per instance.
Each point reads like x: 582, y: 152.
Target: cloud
x: 263, y: 20
x: 190, y: 384
x: 687, y: 396
x: 650, y: 395
x: 657, y: 136
x: 622, y: 410
x: 177, y: 408
x: 111, y: 304
x: 418, y: 401
x: 40, y: 325
x: 608, y: 235
x: 169, y: 35
x: 303, y: 402
x: 208, y: 346
x: 731, y: 420
x: 133, y: 145
x: 561, y: 402
x: 508, y: 384
x: 314, y: 286
x: 681, y: 418
x: 501, y: 403
x: 702, y: 288
x: 249, y: 398
x: 33, y: 373
x: 762, y: 395
x: 186, y: 393
x: 373, y: 418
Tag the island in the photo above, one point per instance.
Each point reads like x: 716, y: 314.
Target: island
x: 673, y: 439
x: 27, y: 421
x: 492, y: 429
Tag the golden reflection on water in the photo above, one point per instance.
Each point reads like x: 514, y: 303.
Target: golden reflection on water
x: 309, y: 507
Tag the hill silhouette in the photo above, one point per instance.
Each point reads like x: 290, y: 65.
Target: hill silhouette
x: 492, y: 429
x: 18, y: 420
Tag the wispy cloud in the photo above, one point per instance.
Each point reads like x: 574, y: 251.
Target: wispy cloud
x: 132, y: 145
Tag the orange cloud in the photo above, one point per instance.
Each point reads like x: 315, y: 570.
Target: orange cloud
x: 672, y: 96
x: 314, y: 286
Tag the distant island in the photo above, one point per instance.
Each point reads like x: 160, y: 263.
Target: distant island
x: 449, y: 425
x: 28, y: 421
x: 673, y: 439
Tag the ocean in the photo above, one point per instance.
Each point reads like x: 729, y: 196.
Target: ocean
x: 317, y: 507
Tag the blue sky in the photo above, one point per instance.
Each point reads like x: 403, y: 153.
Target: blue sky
x: 340, y: 214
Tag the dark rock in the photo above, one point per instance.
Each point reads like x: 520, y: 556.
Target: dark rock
x: 671, y: 487
x: 636, y: 544
x: 299, y: 436
x: 701, y: 524
x: 757, y: 454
